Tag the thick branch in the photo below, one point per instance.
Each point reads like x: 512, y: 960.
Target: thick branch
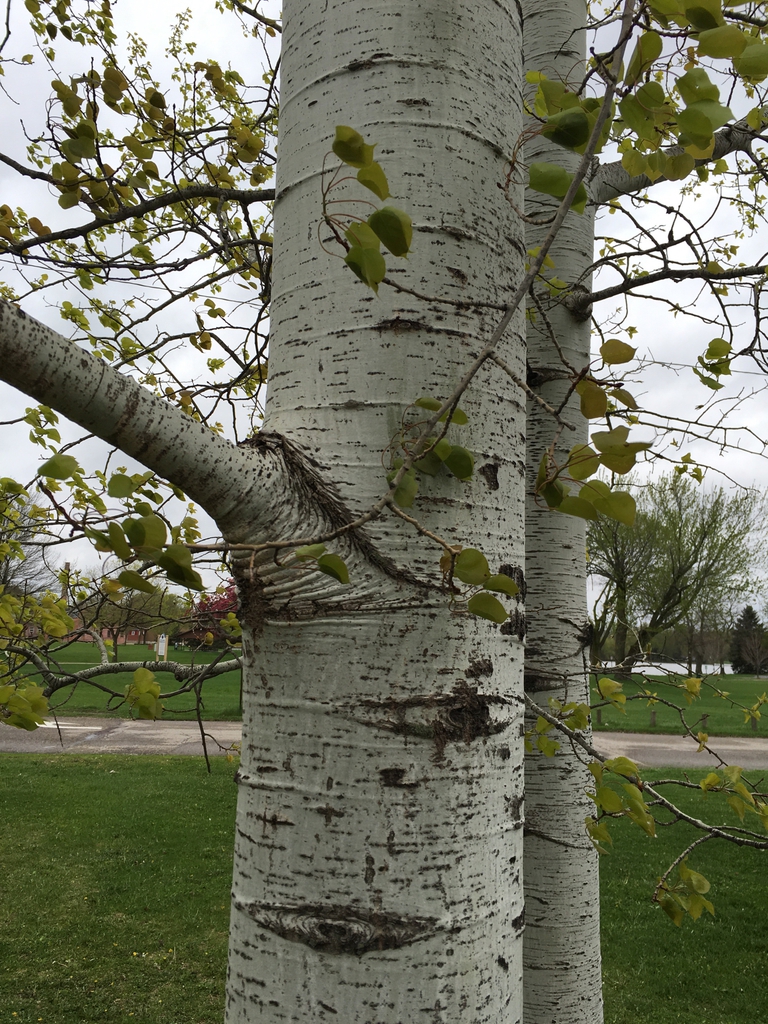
x: 611, y: 180
x: 54, y: 371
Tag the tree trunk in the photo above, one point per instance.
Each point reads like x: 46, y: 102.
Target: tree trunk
x: 379, y: 842
x: 562, y: 938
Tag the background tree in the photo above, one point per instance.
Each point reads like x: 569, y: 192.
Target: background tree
x: 748, y: 652
x: 24, y: 560
x: 689, y: 553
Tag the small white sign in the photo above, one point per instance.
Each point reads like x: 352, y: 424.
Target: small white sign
x: 161, y: 647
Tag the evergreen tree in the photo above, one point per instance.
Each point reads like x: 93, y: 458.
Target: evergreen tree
x: 749, y: 655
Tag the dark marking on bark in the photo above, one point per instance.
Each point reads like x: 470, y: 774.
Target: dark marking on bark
x: 325, y: 1006
x: 479, y: 667
x: 504, y: 752
x: 329, y: 784
x: 514, y: 806
x: 391, y: 848
x: 519, y: 922
x: 458, y: 274
x: 415, y: 103
x: 515, y: 625
x: 329, y: 813
x: 538, y: 375
x: 400, y: 325
x: 586, y: 634
x: 274, y: 820
x: 367, y: 63
x: 577, y: 300
x: 502, y: 963
x: 461, y: 716
x: 490, y: 472
x: 341, y: 930
x: 266, y: 769
x: 370, y: 870
x: 396, y: 777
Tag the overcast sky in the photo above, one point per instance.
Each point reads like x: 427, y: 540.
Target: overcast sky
x: 675, y: 341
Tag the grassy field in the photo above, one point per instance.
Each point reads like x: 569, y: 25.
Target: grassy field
x: 221, y: 694
x: 116, y: 874
x: 711, y: 971
x: 723, y: 719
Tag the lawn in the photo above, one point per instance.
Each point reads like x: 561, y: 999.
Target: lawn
x: 221, y: 694
x: 722, y: 720
x: 119, y: 870
x: 116, y: 878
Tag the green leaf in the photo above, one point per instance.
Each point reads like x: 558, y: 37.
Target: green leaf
x: 647, y: 50
x: 351, y: 148
x: 582, y: 462
x: 133, y: 581
x: 723, y: 41
x: 704, y: 14
x: 368, y: 265
x: 394, y: 228
x: 568, y: 128
x: 431, y: 464
x: 120, y: 486
x: 620, y: 395
x: 333, y: 565
x: 458, y: 417
x: 471, y: 566
x: 621, y: 766
x: 460, y: 462
x: 118, y: 542
x: 374, y: 179
x: 555, y: 181
x: 608, y: 799
x: 695, y: 85
x: 425, y: 402
x: 619, y: 505
x: 407, y: 489
x: 571, y: 505
x: 147, y: 534
x: 360, y: 234
x: 502, y: 584
x: 679, y: 166
x: 718, y: 348
x: 309, y: 551
x: 59, y: 467
x: 671, y: 908
x: 487, y: 607
x: 594, y: 401
x: 176, y: 562
x: 753, y: 62
x: 614, y: 351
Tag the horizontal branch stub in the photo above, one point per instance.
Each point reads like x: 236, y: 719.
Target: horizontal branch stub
x: 341, y: 930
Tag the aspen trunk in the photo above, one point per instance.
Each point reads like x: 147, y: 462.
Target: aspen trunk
x: 562, y: 939
x: 379, y: 847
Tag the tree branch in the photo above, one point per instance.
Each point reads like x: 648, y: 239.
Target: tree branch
x: 179, y: 195
x: 611, y: 180
x: 54, y: 371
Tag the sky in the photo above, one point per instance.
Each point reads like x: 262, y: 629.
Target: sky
x: 666, y: 344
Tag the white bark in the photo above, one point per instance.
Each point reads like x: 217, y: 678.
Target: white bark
x: 562, y: 938
x: 377, y: 870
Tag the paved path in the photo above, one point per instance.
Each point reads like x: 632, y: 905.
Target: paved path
x: 119, y: 736
x: 123, y: 736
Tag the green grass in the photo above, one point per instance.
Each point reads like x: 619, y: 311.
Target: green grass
x: 723, y: 720
x: 221, y: 694
x: 116, y: 875
x: 711, y: 971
